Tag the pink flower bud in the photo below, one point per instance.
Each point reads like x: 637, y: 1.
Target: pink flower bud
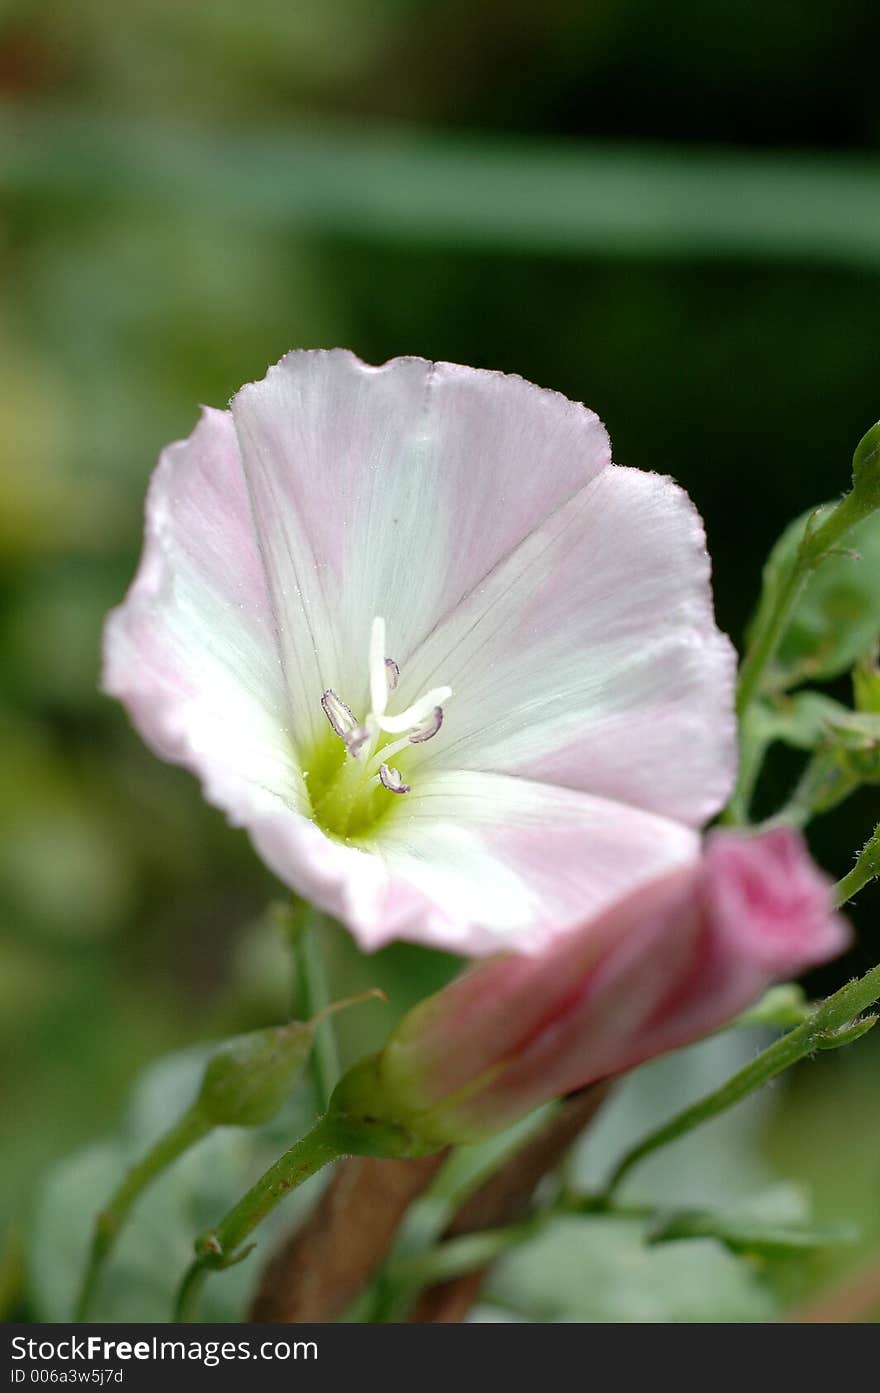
x: 663, y: 967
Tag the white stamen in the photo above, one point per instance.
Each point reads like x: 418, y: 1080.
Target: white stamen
x: 389, y: 751
x: 418, y: 723
x: 426, y: 731
x: 428, y: 727
x: 415, y: 714
x: 378, y: 671
x: 392, y: 780
x: 338, y: 714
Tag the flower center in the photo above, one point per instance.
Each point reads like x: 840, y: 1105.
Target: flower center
x: 350, y: 790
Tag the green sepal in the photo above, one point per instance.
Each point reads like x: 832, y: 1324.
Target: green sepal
x: 846, y: 1034
x: 371, y: 1120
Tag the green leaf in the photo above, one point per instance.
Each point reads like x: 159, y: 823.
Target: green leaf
x: 802, y: 720
x: 837, y: 617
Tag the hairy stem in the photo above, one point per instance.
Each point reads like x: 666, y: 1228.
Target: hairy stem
x: 221, y: 1246
x: 831, y: 1023
x: 866, y: 869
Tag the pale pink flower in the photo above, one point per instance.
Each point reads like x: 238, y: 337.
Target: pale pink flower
x: 456, y: 673
x: 662, y: 967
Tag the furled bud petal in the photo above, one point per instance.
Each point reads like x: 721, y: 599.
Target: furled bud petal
x: 769, y: 903
x: 250, y: 1077
x: 665, y: 966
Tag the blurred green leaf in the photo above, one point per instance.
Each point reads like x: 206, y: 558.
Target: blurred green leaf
x: 743, y: 1235
x: 825, y: 1135
x: 783, y: 1005
x: 776, y: 1223
x: 398, y: 183
x: 156, y: 1246
x: 602, y: 1269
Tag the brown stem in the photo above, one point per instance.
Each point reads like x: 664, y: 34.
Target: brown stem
x: 316, y: 1273
x: 505, y: 1197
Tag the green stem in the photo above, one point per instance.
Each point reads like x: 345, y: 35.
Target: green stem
x: 221, y: 1247
x: 772, y: 618
x: 190, y: 1291
x: 753, y: 746
x: 457, y: 1256
x: 866, y: 869
x: 825, y: 1027
x: 325, y: 1055
x: 188, y: 1130
x: 312, y: 996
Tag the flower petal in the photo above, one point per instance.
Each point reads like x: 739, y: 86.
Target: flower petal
x: 391, y: 492
x: 590, y: 657
x: 499, y: 862
x: 480, y: 516
x: 191, y: 651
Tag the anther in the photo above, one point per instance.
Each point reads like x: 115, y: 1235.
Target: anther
x: 427, y: 728
x: 414, y: 715
x: 392, y: 780
x: 356, y: 739
x: 338, y: 714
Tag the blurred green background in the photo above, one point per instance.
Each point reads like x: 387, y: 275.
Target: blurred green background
x: 670, y: 212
